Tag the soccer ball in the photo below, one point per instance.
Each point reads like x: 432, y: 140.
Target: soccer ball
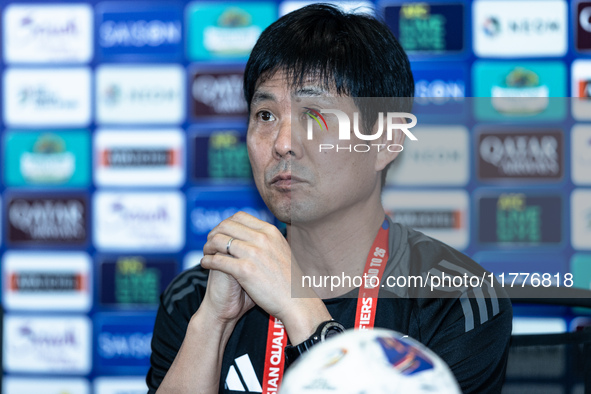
x: 375, y: 361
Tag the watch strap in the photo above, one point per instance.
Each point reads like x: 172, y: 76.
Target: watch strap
x: 292, y: 353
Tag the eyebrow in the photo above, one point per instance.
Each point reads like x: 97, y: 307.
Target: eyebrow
x: 259, y: 97
x: 311, y: 91
x: 307, y: 91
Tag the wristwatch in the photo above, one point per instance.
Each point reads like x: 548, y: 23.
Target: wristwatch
x: 324, y: 331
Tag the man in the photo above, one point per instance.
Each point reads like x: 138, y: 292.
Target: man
x: 222, y: 326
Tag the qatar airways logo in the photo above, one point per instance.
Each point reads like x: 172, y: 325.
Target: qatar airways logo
x: 394, y: 121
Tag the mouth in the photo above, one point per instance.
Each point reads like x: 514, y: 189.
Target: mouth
x: 284, y: 181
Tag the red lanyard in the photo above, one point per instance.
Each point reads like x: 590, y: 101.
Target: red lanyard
x: 364, y: 318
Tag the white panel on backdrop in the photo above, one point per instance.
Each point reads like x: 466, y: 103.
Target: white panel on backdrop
x: 54, y: 345
x: 581, y: 154
x: 13, y: 385
x: 520, y: 28
x: 366, y: 7
x: 439, y: 157
x: 440, y: 214
x: 48, y: 33
x: 581, y: 219
x: 581, y: 89
x: 120, y: 385
x: 139, y: 157
x: 47, y: 97
x: 136, y: 221
x: 140, y: 94
x: 47, y: 281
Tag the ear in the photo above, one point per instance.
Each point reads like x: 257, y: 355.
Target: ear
x: 388, y: 149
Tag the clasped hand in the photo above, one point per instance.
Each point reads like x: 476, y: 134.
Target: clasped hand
x: 257, y: 270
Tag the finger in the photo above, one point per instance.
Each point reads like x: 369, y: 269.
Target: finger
x: 243, y: 231
x: 221, y: 244
x: 218, y: 244
x: 231, y: 228
x: 224, y: 263
x: 250, y: 221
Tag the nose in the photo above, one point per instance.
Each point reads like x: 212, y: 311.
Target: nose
x: 283, y: 143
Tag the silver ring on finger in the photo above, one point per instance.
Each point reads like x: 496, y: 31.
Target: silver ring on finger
x: 228, y: 245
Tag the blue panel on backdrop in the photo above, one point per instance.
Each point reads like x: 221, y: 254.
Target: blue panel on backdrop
x: 440, y: 92
x: 132, y: 281
x: 123, y: 343
x: 207, y: 207
x: 139, y: 30
x: 518, y: 219
x: 220, y: 155
x: 425, y: 28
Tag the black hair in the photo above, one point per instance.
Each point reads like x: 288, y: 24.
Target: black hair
x: 353, y: 53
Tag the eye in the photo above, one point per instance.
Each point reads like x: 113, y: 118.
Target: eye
x: 266, y: 116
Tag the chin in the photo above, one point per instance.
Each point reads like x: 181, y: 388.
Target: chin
x: 299, y: 214
x: 281, y: 210
x: 283, y: 216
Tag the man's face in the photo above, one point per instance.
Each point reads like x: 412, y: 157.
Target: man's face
x: 298, y: 183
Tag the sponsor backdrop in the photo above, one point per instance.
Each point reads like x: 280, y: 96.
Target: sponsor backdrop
x: 123, y: 145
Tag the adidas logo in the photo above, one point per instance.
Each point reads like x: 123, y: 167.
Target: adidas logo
x: 243, y: 375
